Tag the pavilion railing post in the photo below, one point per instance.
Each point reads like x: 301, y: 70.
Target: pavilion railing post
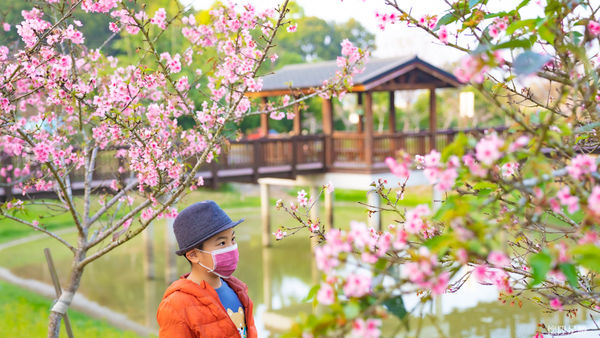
x: 294, y: 156
x: 257, y: 161
x: 214, y: 173
x: 325, y: 154
x: 402, y: 141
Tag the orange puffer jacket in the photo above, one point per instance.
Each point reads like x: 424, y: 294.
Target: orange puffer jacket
x: 190, y: 310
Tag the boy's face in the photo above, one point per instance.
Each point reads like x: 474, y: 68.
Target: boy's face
x: 221, y: 240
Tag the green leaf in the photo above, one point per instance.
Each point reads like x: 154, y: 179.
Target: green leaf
x: 457, y: 147
x: 312, y: 292
x: 529, y: 62
x: 438, y: 243
x: 587, y: 255
x: 546, y: 34
x: 518, y: 43
x: 485, y: 185
x: 351, y: 310
x: 446, y: 19
x: 520, y: 24
x: 495, y: 15
x: 395, y: 306
x: 381, y: 264
x: 570, y: 272
x: 540, y: 265
x: 523, y: 4
x: 576, y: 37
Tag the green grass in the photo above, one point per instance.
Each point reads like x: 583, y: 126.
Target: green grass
x: 24, y: 314
x: 10, y: 229
x: 226, y: 195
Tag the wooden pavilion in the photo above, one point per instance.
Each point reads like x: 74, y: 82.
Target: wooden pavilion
x: 364, y: 150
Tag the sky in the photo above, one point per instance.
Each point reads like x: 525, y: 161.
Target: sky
x: 396, y: 40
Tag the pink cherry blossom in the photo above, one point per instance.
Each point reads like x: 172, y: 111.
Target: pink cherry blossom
x: 292, y: 28
x: 6, y: 26
x: 279, y: 234
x: 326, y: 295
x: 594, y: 201
x: 519, y: 143
x: 313, y: 227
x: 488, y: 149
x: 480, y: 272
x: 472, y: 69
x: 556, y: 304
x: 443, y: 34
x: 440, y: 284
x: 398, y: 169
x: 159, y: 19
x: 565, y: 198
x: 498, y: 259
x: 582, y: 164
x: 357, y: 285
x: 509, y: 169
x: 366, y: 329
x: 594, y: 27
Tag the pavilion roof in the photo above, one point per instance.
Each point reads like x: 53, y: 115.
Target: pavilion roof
x: 409, y: 72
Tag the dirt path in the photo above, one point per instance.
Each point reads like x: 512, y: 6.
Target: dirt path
x: 32, y: 238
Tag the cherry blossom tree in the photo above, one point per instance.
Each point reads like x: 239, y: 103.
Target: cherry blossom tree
x: 61, y: 105
x: 520, y: 209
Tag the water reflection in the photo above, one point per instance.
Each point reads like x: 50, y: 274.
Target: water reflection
x: 279, y: 278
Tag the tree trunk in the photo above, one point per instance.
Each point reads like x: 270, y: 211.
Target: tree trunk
x: 60, y: 308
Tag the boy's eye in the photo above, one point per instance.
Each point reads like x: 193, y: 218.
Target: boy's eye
x: 222, y: 243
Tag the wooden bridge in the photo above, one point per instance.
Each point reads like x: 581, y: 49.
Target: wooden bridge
x: 281, y: 157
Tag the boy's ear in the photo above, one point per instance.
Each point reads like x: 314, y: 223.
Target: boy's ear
x: 192, y: 255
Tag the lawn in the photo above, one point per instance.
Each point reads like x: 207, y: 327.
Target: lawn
x: 227, y: 196
x: 24, y: 314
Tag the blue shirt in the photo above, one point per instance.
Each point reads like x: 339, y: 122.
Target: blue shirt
x: 233, y: 306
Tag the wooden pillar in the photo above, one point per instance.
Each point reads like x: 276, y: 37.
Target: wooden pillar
x: 392, y: 108
x: 297, y: 129
x: 264, y: 118
x: 329, y: 201
x: 368, y: 134
x: 266, y: 215
x: 149, y: 266
x: 327, y: 112
x: 432, y: 118
x: 374, y: 202
x: 314, y: 211
x: 360, y: 125
x: 437, y: 199
x: 171, y: 263
x: 392, y: 124
x: 267, y: 281
x: 214, y: 174
x: 150, y: 301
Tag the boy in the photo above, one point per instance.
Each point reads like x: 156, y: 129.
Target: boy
x: 207, y: 302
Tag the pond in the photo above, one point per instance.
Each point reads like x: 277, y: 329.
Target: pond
x: 278, y: 278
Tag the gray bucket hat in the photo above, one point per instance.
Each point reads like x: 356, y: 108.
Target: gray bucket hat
x: 199, y: 222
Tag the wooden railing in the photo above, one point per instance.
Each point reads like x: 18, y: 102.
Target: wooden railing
x: 247, y: 160
x: 271, y: 152
x: 349, y: 147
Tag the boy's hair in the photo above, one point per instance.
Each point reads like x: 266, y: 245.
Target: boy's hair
x: 200, y: 246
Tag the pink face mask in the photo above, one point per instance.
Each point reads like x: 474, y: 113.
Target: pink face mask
x: 224, y: 261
